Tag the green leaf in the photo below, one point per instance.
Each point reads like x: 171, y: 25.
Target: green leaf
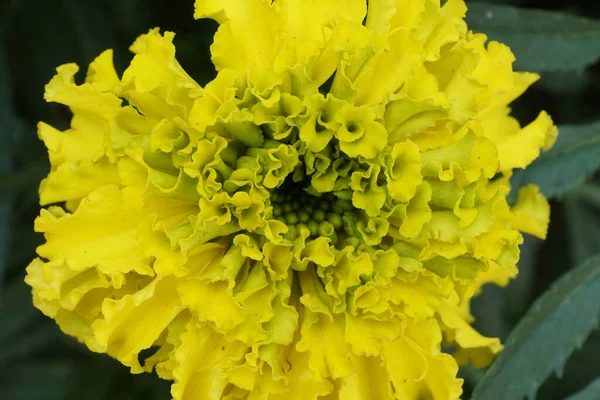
x: 591, y: 392
x: 574, y: 157
x: 583, y: 223
x: 581, y: 369
x: 541, y: 40
x: 557, y: 323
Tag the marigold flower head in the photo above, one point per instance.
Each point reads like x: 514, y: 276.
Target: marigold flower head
x: 310, y: 224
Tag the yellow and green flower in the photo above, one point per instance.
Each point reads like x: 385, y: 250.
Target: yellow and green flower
x: 313, y: 223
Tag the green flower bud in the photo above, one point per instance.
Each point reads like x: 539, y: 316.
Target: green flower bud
x: 335, y: 219
x: 291, y: 218
x: 277, y: 210
x: 313, y: 226
x: 287, y: 207
x: 345, y: 205
x: 275, y: 197
x: 300, y: 227
x: 318, y: 215
x: 303, y: 216
x: 326, y: 228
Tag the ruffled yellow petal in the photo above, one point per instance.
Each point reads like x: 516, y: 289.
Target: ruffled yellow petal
x: 102, y: 73
x: 100, y: 234
x: 404, y: 171
x: 211, y: 302
x: 359, y: 134
x: 479, y: 349
x: 323, y: 338
x: 423, y: 370
x: 239, y: 30
x: 300, y: 30
x: 155, y: 75
x: 517, y: 148
x: 200, y: 360
x: 531, y: 213
x: 135, y: 322
x: 87, y: 100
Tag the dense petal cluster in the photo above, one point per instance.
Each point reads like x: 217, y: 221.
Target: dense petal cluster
x: 310, y: 224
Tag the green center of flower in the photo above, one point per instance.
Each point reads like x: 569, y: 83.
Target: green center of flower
x: 321, y: 215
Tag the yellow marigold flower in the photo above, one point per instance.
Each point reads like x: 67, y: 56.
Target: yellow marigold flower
x: 312, y: 223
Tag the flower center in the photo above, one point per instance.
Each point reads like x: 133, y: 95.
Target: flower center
x: 321, y: 215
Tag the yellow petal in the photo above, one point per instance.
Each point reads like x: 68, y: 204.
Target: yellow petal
x: 517, y: 148
x: 323, y: 337
x: 366, y: 335
x: 154, y: 68
x: 102, y: 74
x: 135, y: 322
x: 101, y: 233
x: 370, y: 381
x: 211, y: 302
x: 531, y: 213
x: 423, y: 370
x: 74, y: 182
x: 404, y: 171
x: 86, y: 100
x: 200, y: 361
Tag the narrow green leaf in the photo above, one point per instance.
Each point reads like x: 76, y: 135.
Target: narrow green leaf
x: 581, y: 369
x: 574, y: 157
x: 590, y: 392
x: 557, y: 323
x: 541, y: 40
x: 583, y: 224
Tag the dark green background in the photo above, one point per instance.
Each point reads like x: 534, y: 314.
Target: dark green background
x: 38, y: 362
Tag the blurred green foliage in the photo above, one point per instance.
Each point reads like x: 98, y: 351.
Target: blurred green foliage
x: 560, y: 40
